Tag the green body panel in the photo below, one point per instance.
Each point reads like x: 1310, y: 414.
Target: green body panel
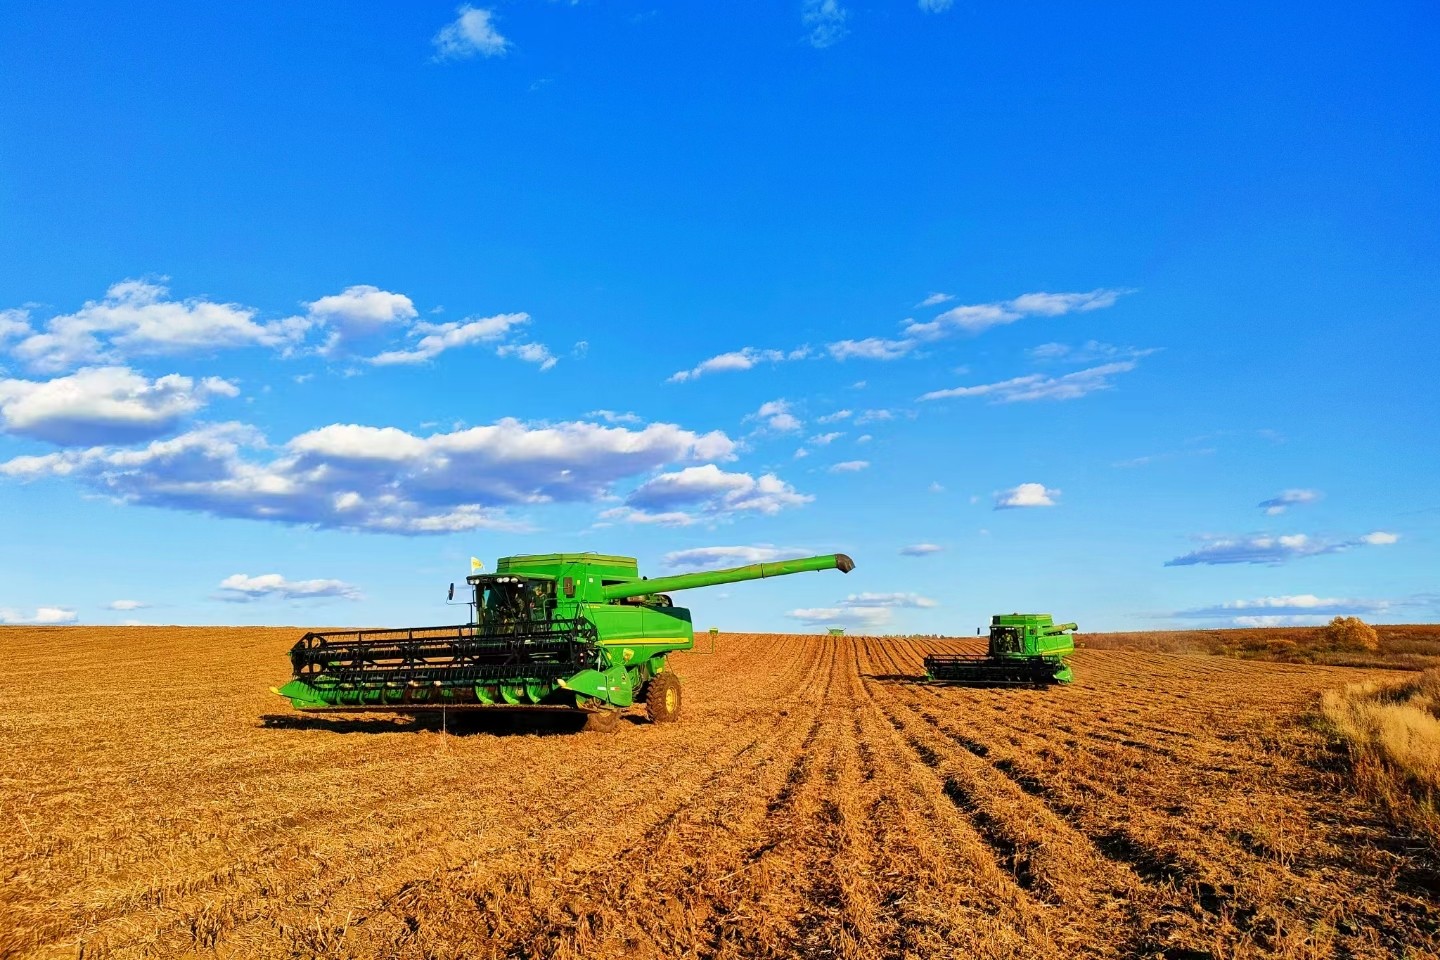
x: 630, y: 623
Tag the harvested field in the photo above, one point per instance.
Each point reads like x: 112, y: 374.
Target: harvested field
x: 813, y: 801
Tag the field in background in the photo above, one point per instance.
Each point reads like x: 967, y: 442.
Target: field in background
x: 1402, y: 646
x: 813, y: 801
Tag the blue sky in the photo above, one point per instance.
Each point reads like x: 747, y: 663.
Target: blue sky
x: 1126, y: 317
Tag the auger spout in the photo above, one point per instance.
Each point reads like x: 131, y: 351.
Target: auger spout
x: 710, y: 578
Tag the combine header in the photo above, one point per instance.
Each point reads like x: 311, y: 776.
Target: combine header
x: 1025, y: 648
x: 561, y: 631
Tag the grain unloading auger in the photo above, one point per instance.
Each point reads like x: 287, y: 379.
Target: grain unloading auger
x: 1025, y: 648
x: 562, y: 631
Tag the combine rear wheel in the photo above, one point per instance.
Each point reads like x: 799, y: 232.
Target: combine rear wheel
x: 662, y: 698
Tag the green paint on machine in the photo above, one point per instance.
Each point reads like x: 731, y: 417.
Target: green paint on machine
x: 565, y: 630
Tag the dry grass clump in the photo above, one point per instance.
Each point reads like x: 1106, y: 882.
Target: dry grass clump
x: 1392, y: 732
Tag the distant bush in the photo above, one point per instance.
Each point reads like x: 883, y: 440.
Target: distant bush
x: 1351, y: 633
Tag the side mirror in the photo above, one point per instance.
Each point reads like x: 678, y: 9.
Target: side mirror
x: 451, y: 594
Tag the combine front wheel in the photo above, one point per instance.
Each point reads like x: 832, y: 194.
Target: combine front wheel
x: 662, y: 698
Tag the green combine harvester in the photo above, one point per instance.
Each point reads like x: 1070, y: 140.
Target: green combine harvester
x: 1025, y: 648
x: 564, y: 631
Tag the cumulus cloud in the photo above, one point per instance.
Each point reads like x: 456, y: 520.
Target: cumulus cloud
x: 41, y: 616
x: 849, y: 466
x: 888, y: 600
x: 610, y: 416
x: 835, y: 417
x: 137, y: 318
x: 776, y: 415
x: 743, y: 359
x: 98, y: 405
x: 1288, y: 498
x: 1271, y: 549
x: 978, y: 317
x: 14, y: 324
x: 920, y: 549
x: 706, y: 558
x: 1038, y: 386
x: 379, y: 479
x: 1026, y: 495
x: 824, y: 22
x: 712, y: 490
x: 361, y: 310
x: 1303, y: 604
x: 934, y: 299
x: 126, y: 605
x: 874, y: 416
x: 821, y: 439
x: 436, y: 338
x: 242, y: 588
x: 471, y: 33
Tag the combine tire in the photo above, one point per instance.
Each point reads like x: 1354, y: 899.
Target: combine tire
x: 602, y: 721
x: 662, y: 698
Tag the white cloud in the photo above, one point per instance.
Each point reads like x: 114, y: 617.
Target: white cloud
x: 1038, y: 386
x: 667, y: 518
x: 241, y: 588
x: 849, y: 466
x: 935, y: 6
x: 1303, y: 604
x: 436, y: 338
x: 1091, y: 351
x: 920, y: 549
x: 135, y: 318
x: 472, y: 32
x: 936, y: 487
x: 863, y: 617
x: 1288, y: 498
x: 1026, y: 495
x: 706, y: 558
x: 42, y: 615
x: 934, y: 300
x: 976, y: 318
x: 610, y: 416
x: 717, y: 492
x: 98, y: 405
x: 777, y: 416
x: 871, y: 348
x: 824, y: 21
x: 743, y: 359
x: 1271, y: 549
x: 14, y: 324
x: 821, y: 439
x: 864, y: 438
x: 348, y: 476
x: 529, y: 352
x: 126, y: 605
x: 834, y: 417
x: 888, y: 600
x: 362, y: 310
x: 874, y: 416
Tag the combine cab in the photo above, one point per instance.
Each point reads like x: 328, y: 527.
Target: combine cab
x: 1025, y: 648
x: 562, y: 631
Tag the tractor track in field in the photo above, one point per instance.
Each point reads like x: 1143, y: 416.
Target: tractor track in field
x: 813, y: 801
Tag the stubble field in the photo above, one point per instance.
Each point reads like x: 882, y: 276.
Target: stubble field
x: 157, y: 800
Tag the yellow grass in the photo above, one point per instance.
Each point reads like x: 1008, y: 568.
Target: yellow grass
x: 1393, y: 735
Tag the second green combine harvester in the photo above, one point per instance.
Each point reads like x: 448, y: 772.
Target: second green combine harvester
x: 568, y: 631
x: 1025, y: 648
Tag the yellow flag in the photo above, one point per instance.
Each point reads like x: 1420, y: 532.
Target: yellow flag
x: 475, y: 564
